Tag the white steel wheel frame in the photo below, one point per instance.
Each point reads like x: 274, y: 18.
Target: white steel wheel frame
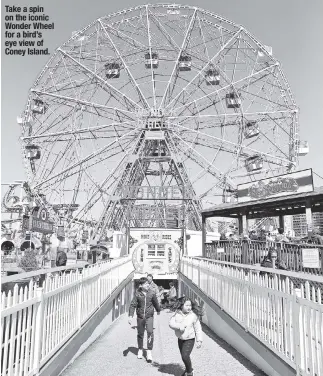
x: 88, y: 120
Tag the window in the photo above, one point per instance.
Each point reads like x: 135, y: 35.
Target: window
x: 156, y: 250
x: 151, y: 250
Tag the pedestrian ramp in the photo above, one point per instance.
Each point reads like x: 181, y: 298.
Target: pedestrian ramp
x: 115, y: 353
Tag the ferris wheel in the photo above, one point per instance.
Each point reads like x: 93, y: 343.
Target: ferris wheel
x: 152, y: 82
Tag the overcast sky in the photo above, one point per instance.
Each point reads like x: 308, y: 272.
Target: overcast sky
x: 293, y: 28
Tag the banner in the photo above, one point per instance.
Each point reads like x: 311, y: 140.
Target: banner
x: 277, y: 186
x: 311, y: 258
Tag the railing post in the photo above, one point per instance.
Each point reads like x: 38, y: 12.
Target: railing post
x: 38, y: 330
x: 246, y: 304
x: 221, y: 290
x: 192, y: 270
x: 80, y: 302
x: 179, y: 287
x: 199, y: 274
x: 297, y: 331
x: 99, y: 286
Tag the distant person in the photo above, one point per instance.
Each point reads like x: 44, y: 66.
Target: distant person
x: 267, y: 262
x: 160, y: 295
x: 172, y: 295
x: 281, y: 237
x: 144, y: 302
x: 253, y: 235
x: 152, y: 284
x: 245, y: 237
x: 187, y: 326
x: 270, y: 239
x: 222, y: 236
x: 316, y: 238
x: 233, y: 237
x: 61, y: 257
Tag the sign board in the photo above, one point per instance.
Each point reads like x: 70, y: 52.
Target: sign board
x: 277, y: 186
x: 39, y: 225
x: 310, y: 258
x: 173, y: 192
x: 38, y: 222
x: 152, y: 211
x: 154, y: 135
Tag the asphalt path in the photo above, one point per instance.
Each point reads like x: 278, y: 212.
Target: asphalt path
x: 114, y: 353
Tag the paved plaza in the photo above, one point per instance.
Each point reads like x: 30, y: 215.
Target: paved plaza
x: 115, y: 354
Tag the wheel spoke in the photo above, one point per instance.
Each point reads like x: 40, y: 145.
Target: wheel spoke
x: 123, y: 97
x: 190, y: 26
x: 133, y: 81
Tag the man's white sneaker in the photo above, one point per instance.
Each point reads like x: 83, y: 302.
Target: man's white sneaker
x: 149, y: 356
x: 139, y: 356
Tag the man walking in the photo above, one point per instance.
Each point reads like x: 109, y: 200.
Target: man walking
x: 144, y: 301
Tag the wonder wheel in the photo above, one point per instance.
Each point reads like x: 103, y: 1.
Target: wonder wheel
x: 157, y: 95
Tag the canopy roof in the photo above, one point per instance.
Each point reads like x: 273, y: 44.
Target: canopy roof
x: 270, y: 207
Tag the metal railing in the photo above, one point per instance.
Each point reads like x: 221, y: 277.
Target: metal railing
x: 37, y: 321
x: 253, y: 252
x: 288, y: 320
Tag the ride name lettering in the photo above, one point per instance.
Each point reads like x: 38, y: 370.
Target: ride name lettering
x: 36, y: 223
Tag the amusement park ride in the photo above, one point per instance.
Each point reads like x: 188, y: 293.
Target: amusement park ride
x: 169, y: 105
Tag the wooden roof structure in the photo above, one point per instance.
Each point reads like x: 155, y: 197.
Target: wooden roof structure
x: 270, y: 207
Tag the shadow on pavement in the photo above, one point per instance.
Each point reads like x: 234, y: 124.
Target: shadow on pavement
x: 231, y: 350
x: 174, y: 369
x: 131, y: 349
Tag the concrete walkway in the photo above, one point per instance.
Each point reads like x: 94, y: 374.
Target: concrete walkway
x: 115, y: 354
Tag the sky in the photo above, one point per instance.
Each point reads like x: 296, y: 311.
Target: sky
x: 293, y: 28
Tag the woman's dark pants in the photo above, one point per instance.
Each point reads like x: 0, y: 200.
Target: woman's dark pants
x: 185, y: 348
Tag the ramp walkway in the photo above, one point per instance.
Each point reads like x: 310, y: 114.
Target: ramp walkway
x: 115, y: 353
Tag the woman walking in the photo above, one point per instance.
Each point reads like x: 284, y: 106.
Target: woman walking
x: 187, y: 326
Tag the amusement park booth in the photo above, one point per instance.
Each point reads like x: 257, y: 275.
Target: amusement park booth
x: 288, y: 200
x: 157, y: 251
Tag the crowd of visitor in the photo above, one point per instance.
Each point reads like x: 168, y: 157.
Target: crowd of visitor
x: 272, y: 236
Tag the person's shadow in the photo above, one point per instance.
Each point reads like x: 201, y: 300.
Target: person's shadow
x: 131, y: 349
x: 174, y: 369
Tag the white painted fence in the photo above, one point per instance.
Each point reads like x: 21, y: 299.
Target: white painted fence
x: 36, y: 322
x: 288, y: 320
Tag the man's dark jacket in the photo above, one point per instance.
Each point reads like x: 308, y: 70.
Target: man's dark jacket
x: 144, y: 304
